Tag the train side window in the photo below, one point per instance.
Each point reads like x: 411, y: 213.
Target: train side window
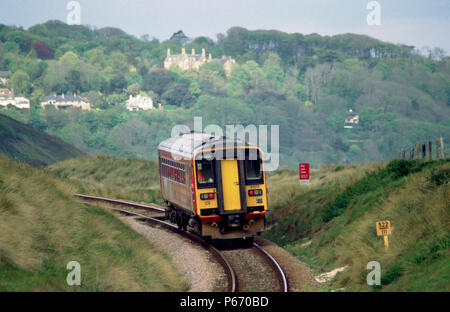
x: 205, y: 173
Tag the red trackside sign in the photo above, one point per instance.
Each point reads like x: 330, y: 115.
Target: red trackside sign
x: 303, y: 170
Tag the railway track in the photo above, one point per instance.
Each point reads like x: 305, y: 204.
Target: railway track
x: 242, y: 266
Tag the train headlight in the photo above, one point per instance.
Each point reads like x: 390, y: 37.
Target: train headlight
x: 257, y: 192
x: 207, y: 196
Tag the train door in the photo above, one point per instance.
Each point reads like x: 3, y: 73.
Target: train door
x: 230, y: 185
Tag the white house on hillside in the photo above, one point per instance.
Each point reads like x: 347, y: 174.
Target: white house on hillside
x: 139, y: 103
x: 7, y: 97
x: 65, y: 101
x: 351, y: 120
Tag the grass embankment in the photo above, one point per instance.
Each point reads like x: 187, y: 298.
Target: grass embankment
x: 42, y: 228
x: 23, y: 142
x: 125, y: 178
x: 337, y: 213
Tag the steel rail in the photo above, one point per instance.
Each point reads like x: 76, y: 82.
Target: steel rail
x: 231, y: 276
x: 275, y: 263
x: 121, y: 202
x: 229, y: 271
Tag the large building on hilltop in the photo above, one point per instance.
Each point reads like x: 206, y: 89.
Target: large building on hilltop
x: 65, y: 101
x: 186, y: 61
x: 194, y: 61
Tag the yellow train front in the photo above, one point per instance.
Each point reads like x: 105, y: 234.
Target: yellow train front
x: 213, y: 186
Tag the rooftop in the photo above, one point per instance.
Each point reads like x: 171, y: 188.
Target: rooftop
x: 186, y: 144
x: 65, y: 98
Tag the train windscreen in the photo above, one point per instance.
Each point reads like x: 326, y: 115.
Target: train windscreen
x: 253, y: 170
x: 205, y: 172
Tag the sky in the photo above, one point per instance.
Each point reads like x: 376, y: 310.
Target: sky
x: 414, y: 22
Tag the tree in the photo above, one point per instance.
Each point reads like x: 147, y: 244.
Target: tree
x: 96, y: 57
x: 329, y: 56
x: 69, y: 59
x: 315, y: 79
x: 118, y: 83
x: 119, y: 62
x: 36, y: 120
x: 20, y: 82
x: 43, y: 51
x: 157, y: 81
x: 240, y: 80
x: 178, y: 94
x: 74, y: 80
x: 213, y: 68
x: 222, y: 111
x: 273, y: 71
x: 180, y: 37
x: 134, y: 89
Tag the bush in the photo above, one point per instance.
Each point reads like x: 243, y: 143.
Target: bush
x: 392, y: 273
x: 440, y: 177
x: 7, y: 132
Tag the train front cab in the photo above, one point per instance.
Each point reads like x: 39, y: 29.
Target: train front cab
x: 230, y: 194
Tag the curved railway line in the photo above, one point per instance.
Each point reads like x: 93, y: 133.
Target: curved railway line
x: 241, y: 275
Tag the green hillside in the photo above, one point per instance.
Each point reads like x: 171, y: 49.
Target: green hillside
x: 331, y: 223
x: 305, y: 84
x: 125, y: 178
x: 23, y: 142
x: 43, y: 227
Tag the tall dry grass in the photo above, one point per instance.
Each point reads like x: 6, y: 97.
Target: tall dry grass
x: 125, y: 178
x: 42, y: 228
x: 413, y: 195
x: 419, y: 213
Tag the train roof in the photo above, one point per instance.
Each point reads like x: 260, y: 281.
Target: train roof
x: 187, y: 144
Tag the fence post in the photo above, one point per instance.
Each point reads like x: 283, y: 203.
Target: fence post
x: 430, y: 155
x: 442, y: 148
x: 437, y: 149
x: 424, y: 151
x: 417, y: 150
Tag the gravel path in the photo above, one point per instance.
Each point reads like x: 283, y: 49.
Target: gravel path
x: 202, y: 271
